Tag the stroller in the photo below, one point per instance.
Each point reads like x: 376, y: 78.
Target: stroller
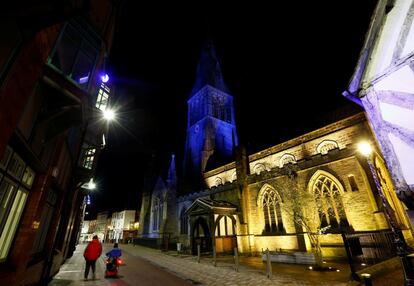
x: 112, y: 265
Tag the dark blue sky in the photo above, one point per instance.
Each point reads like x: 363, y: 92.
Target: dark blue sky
x: 286, y: 65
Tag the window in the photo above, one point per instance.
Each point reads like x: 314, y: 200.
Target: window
x: 28, y: 177
x: 103, y: 97
x: 6, y: 157
x: 16, y: 179
x: 45, y: 221
x: 352, y: 183
x: 258, y: 168
x: 325, y: 146
x: 157, y: 213
x: 218, y: 181
x: 225, y: 227
x: 272, y: 212
x: 328, y: 202
x: 233, y: 177
x: 183, y: 222
x: 286, y: 159
x: 228, y: 114
x: 16, y: 166
x: 210, y: 105
x: 75, y: 54
x: 88, y: 158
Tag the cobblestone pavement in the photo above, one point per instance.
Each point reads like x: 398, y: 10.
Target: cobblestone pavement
x: 250, y: 272
x: 204, y: 273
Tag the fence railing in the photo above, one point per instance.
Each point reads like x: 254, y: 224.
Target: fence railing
x: 368, y: 248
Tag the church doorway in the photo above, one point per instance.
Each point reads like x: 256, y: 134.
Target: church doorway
x: 213, y: 222
x: 225, y: 233
x: 201, y: 236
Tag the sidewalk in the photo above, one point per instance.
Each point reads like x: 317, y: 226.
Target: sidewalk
x: 71, y: 272
x: 251, y: 270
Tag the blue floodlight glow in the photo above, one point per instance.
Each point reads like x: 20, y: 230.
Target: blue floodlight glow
x: 105, y: 78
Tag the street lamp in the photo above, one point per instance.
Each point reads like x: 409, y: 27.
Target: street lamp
x: 366, y: 149
x: 89, y: 186
x: 109, y: 114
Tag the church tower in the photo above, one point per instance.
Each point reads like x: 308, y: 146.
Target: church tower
x: 211, y: 130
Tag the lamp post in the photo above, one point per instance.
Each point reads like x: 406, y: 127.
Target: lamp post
x: 366, y: 149
x: 89, y: 186
x: 107, y: 115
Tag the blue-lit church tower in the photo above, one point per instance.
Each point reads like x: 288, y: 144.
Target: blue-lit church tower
x: 211, y: 129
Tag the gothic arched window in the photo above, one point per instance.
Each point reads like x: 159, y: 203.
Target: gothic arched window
x: 225, y: 227
x: 157, y: 212
x: 328, y: 201
x: 272, y: 211
x: 183, y: 222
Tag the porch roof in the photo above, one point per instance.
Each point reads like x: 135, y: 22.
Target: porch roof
x: 211, y: 205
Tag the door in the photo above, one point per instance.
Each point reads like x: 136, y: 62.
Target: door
x: 201, y: 236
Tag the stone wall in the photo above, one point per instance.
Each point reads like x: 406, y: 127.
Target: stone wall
x: 339, y: 161
x: 343, y: 133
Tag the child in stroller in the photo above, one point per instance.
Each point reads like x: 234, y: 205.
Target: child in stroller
x: 112, y: 262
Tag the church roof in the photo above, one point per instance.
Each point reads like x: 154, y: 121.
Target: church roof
x: 208, y: 70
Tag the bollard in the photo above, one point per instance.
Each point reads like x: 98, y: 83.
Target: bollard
x: 178, y: 247
x: 198, y: 253
x: 366, y: 277
x: 236, y: 259
x: 268, y: 264
x: 214, y: 257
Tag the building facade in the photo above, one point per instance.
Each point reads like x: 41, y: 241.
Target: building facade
x: 382, y: 84
x: 102, y: 222
x: 122, y: 223
x: 273, y: 199
x: 50, y: 62
x: 88, y: 230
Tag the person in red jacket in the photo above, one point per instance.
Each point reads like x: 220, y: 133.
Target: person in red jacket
x: 91, y: 254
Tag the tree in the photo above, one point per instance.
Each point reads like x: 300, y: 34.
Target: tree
x: 307, y: 210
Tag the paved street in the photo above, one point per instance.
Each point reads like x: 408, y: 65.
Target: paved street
x: 136, y: 271
x: 145, y: 266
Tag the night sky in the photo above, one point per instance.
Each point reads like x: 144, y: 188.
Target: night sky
x: 286, y: 65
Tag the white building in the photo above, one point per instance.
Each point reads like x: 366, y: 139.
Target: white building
x: 101, y: 225
x: 84, y: 231
x: 87, y: 230
x: 383, y: 84
x: 121, y: 222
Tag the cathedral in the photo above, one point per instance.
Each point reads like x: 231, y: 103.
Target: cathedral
x: 274, y: 199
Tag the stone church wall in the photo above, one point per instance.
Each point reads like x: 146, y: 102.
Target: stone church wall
x: 359, y: 205
x: 343, y: 133
x: 339, y: 161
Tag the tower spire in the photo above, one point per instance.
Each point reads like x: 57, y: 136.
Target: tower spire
x: 209, y: 70
x: 211, y: 129
x: 172, y: 173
